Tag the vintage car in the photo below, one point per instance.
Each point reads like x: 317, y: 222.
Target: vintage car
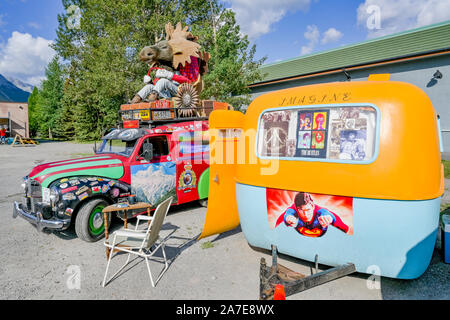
x: 138, y: 164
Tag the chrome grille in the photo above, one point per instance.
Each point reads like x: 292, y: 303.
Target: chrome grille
x: 34, y: 193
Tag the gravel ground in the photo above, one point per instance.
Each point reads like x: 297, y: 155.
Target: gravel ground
x: 224, y: 267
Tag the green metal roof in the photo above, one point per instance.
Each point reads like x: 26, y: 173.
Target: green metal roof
x: 413, y: 42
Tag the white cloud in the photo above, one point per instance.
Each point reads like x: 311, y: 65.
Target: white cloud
x: 331, y: 35
x: 34, y: 25
x: 312, y: 34
x: 400, y: 15
x: 256, y: 17
x: 433, y: 12
x: 25, y: 57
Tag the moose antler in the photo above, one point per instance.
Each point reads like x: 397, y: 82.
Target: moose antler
x: 180, y: 40
x: 169, y: 31
x: 158, y: 38
x: 178, y: 32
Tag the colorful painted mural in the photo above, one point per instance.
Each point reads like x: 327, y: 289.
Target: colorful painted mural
x: 310, y: 214
x: 154, y: 182
x: 334, y: 133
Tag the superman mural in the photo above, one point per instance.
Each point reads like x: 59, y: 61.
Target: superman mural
x: 310, y: 214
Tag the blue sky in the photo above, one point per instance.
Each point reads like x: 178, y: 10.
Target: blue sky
x: 281, y: 29
x: 286, y: 37
x: 36, y: 17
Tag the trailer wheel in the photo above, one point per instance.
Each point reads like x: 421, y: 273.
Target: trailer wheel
x: 89, y: 225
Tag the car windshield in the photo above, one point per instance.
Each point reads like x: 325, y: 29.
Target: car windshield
x: 121, y: 147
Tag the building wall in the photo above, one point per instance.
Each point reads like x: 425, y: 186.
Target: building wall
x: 418, y: 72
x: 17, y: 112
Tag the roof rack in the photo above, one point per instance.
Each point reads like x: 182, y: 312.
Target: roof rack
x: 152, y: 114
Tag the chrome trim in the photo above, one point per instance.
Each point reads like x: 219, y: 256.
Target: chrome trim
x: 36, y: 219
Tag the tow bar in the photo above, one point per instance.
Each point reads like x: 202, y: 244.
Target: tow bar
x: 294, y: 282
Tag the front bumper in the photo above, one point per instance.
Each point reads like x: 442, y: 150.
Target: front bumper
x: 37, y: 220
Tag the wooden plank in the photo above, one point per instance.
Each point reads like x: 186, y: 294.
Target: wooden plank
x: 139, y: 205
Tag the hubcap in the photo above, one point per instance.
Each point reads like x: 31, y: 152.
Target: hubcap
x: 97, y: 220
x: 96, y: 225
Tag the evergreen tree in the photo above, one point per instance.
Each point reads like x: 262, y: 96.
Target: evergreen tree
x: 50, y: 101
x: 33, y: 112
x: 67, y: 120
x: 232, y: 62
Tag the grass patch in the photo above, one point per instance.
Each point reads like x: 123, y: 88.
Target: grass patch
x: 207, y: 245
x: 85, y: 141
x: 446, y: 164
x: 445, y: 209
x: 51, y: 140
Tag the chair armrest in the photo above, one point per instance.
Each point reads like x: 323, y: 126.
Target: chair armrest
x: 142, y: 217
x: 130, y: 234
x: 133, y: 230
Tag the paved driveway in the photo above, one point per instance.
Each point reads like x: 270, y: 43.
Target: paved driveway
x: 41, y: 266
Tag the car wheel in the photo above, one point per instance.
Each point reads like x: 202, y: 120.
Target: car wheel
x: 89, y: 225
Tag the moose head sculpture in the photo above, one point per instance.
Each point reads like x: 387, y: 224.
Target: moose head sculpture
x: 159, y: 54
x: 174, y: 54
x: 176, y: 49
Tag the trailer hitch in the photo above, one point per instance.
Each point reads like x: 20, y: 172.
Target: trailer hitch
x: 294, y: 282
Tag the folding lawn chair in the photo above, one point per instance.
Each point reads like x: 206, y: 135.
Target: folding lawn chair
x: 143, y: 243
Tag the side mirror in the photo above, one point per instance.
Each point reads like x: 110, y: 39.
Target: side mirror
x: 148, y: 151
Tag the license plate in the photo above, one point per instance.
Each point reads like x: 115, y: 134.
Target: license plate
x: 145, y: 115
x: 163, y: 115
x: 45, y: 195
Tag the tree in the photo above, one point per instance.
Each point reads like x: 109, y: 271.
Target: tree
x: 33, y: 112
x: 232, y: 64
x: 101, y: 54
x: 50, y: 101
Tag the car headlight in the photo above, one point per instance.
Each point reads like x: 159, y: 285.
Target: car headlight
x: 54, y: 195
x: 24, y: 184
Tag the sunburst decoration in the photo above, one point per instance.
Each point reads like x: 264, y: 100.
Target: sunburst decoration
x: 186, y: 100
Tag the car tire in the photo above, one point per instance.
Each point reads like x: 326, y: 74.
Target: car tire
x: 89, y: 224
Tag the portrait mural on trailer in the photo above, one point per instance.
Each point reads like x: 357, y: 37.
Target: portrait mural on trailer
x: 333, y: 133
x: 176, y: 66
x: 309, y: 214
x: 322, y: 133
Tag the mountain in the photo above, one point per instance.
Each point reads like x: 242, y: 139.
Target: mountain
x: 20, y: 84
x: 10, y: 93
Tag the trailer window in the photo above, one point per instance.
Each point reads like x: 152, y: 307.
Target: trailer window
x: 330, y: 133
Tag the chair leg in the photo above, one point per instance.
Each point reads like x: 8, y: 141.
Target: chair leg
x: 115, y: 274
x: 149, y: 272
x: 166, y: 266
x: 107, y: 267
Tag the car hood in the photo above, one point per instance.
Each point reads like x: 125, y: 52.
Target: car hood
x: 102, y: 166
